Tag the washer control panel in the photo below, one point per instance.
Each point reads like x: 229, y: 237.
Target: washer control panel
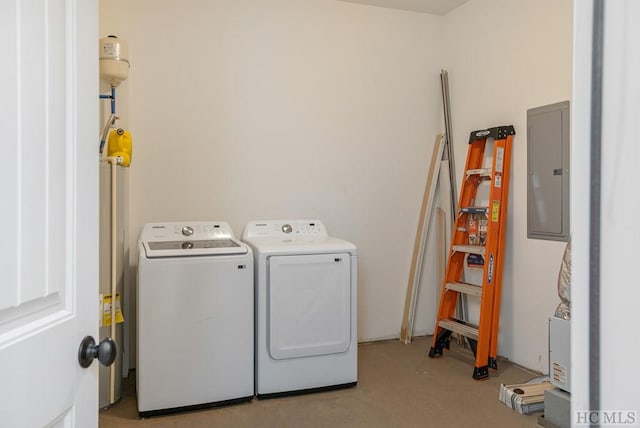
x: 285, y: 228
x: 191, y: 230
x: 189, y: 238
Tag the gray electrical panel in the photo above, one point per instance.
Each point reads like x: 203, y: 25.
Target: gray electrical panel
x: 548, y: 172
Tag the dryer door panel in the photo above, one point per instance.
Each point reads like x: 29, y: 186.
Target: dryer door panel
x: 309, y: 308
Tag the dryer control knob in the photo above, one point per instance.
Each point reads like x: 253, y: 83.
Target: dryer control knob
x: 187, y: 231
x: 286, y: 228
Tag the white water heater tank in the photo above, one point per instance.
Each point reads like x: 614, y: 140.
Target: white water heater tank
x: 114, y: 62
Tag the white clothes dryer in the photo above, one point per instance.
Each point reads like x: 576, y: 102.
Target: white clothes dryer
x: 306, y: 308
x: 195, y: 318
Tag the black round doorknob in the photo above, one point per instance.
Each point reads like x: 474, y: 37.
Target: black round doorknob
x: 105, y: 352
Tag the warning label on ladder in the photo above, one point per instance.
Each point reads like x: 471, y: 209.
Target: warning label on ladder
x: 495, y: 211
x: 499, y: 158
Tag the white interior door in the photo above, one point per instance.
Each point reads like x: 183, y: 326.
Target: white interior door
x: 49, y: 211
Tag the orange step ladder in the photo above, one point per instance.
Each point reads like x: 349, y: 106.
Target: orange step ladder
x: 478, y: 239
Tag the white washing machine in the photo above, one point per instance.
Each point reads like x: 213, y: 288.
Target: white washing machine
x: 195, y: 318
x: 306, y: 303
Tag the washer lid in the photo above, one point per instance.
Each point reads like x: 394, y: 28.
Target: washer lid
x: 185, y: 248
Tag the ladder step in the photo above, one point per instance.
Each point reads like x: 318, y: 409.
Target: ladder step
x: 482, y: 172
x: 460, y: 328
x: 464, y: 287
x: 474, y: 210
x: 471, y: 249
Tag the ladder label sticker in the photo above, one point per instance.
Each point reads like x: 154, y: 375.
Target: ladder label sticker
x: 499, y: 158
x: 490, y: 269
x: 495, y: 211
x: 497, y: 182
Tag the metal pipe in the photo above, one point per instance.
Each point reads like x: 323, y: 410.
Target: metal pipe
x: 112, y: 370
x: 112, y: 118
x: 113, y: 100
x: 105, y: 131
x: 446, y: 103
x: 114, y: 292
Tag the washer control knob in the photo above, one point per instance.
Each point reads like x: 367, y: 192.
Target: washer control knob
x: 286, y: 228
x: 187, y: 231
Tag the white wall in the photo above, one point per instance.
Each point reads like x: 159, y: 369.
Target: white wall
x: 288, y: 109
x: 505, y: 57
x: 326, y: 109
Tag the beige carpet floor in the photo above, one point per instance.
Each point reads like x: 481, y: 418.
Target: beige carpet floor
x: 398, y: 386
